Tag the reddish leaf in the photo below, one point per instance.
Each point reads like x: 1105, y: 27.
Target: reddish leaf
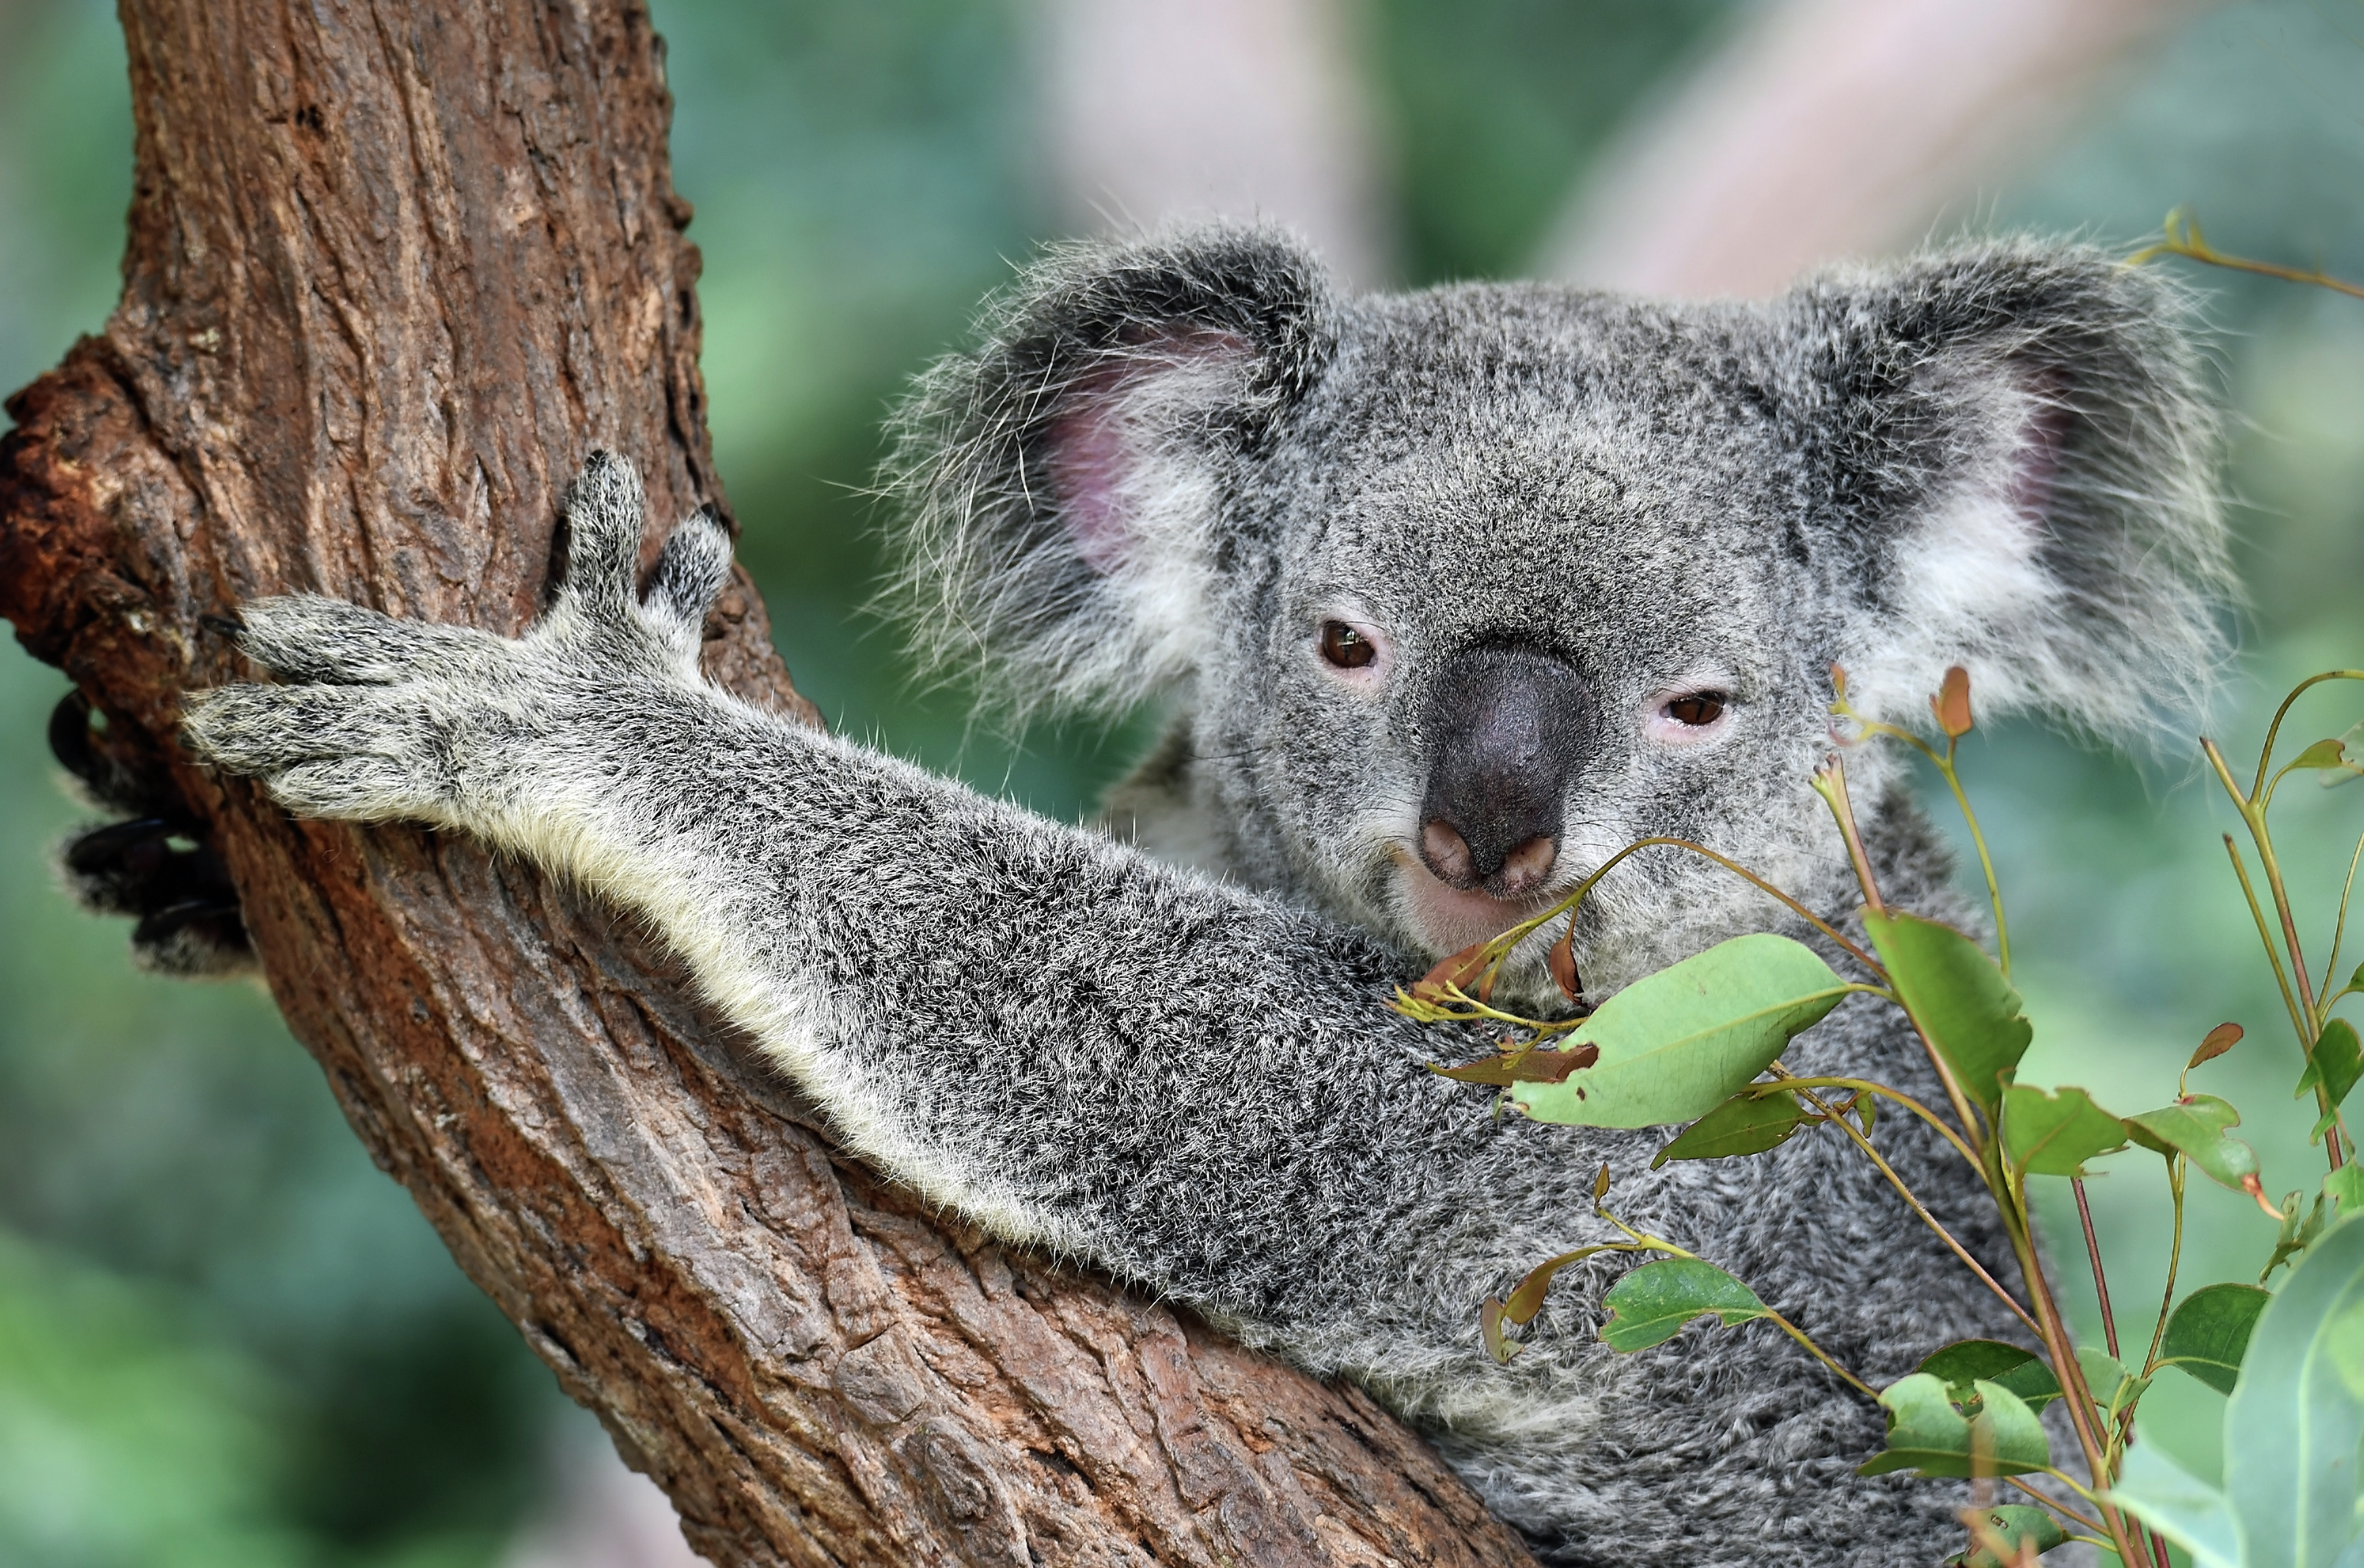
x: 2219, y: 1041
x: 1952, y: 704
x: 1562, y: 961
x: 1490, y: 1324
x: 1461, y: 970
x: 1522, y: 1067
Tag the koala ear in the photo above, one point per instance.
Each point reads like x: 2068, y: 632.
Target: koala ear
x: 1063, y: 494
x: 2011, y: 448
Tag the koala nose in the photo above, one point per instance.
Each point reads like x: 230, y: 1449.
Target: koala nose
x: 1507, y: 727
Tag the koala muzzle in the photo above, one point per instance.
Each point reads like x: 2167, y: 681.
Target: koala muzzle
x: 1507, y: 727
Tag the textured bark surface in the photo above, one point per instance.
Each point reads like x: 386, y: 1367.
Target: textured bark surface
x: 393, y: 270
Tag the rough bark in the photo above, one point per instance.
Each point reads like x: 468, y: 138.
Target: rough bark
x: 392, y: 269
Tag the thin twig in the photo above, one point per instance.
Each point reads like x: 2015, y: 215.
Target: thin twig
x: 2339, y: 931
x: 2174, y: 1259
x: 2055, y: 1504
x: 2193, y: 246
x: 1914, y: 1203
x: 1865, y: 1085
x: 2100, y: 1280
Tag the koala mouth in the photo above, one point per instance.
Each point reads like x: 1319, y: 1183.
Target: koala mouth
x: 1447, y: 919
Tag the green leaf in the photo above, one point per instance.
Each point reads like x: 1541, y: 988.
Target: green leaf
x: 2015, y: 1523
x: 2347, y: 771
x: 1744, y: 1124
x: 1674, y: 1045
x: 2180, y: 1506
x: 2111, y: 1384
x: 2336, y: 1062
x: 1651, y: 1305
x: 2049, y: 1135
x: 2210, y: 1331
x: 1957, y: 997
x: 2194, y: 1128
x: 2292, y: 1427
x: 2322, y: 755
x: 1968, y: 1361
x: 2300, y: 1228
x: 1926, y: 1433
x: 2345, y: 1187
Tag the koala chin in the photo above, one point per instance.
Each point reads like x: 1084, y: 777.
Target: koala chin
x: 1450, y: 595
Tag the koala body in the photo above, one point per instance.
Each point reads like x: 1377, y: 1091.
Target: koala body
x: 1454, y: 594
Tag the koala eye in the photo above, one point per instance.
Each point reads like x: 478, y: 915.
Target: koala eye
x: 1696, y: 710
x: 1345, y: 648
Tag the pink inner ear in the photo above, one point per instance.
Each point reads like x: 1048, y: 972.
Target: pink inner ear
x: 2035, y: 461
x: 1093, y: 439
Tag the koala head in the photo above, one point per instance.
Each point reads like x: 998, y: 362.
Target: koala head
x: 1458, y: 592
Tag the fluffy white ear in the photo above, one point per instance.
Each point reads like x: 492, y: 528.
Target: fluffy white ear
x: 2015, y: 452
x: 1063, y: 494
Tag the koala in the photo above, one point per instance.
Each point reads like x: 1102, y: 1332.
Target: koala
x: 1451, y: 594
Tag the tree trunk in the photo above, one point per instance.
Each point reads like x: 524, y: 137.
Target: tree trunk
x: 394, y: 268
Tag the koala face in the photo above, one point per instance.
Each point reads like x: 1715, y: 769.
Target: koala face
x: 1464, y: 591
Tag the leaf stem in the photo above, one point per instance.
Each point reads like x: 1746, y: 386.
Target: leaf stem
x: 2062, y: 1353
x: 1816, y: 1351
x: 2273, y: 957
x: 2057, y: 1507
x: 1791, y: 1079
x: 2174, y: 1259
x: 1944, y: 764
x: 2191, y: 247
x: 1519, y: 933
x: 2093, y: 1251
x: 1830, y: 782
x: 2339, y: 932
x: 1915, y: 1203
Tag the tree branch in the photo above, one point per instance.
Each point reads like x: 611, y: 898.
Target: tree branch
x: 392, y: 269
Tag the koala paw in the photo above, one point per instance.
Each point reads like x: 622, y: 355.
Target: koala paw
x: 379, y: 718
x: 155, y: 865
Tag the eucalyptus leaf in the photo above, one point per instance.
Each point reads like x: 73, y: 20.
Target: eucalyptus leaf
x: 1968, y: 1362
x: 2180, y: 1505
x: 2346, y: 772
x: 1958, y: 995
x: 1674, y: 1045
x: 2195, y: 1127
x: 2301, y: 1226
x: 1927, y: 1434
x: 2336, y: 1062
x: 2292, y: 1427
x: 2322, y: 755
x: 2054, y: 1135
x: 2114, y: 1387
x: 1744, y: 1124
x: 2015, y: 1523
x: 2345, y: 1187
x: 2209, y: 1332
x: 1651, y: 1305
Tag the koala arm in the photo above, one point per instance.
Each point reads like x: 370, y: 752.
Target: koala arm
x: 1077, y: 1047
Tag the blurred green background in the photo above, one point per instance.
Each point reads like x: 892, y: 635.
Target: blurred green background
x: 225, y: 1338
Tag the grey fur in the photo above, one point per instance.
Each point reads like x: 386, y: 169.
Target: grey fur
x: 1168, y: 462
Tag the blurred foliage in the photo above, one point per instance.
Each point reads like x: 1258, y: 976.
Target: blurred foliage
x: 224, y: 1332
x: 1495, y: 105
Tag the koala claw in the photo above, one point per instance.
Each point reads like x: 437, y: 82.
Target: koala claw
x: 383, y: 718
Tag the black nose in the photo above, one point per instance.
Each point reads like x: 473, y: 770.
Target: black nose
x: 1508, y: 729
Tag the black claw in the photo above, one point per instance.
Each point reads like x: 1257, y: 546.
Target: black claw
x: 104, y: 851
x: 230, y: 625
x: 175, y: 918
x: 116, y: 770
